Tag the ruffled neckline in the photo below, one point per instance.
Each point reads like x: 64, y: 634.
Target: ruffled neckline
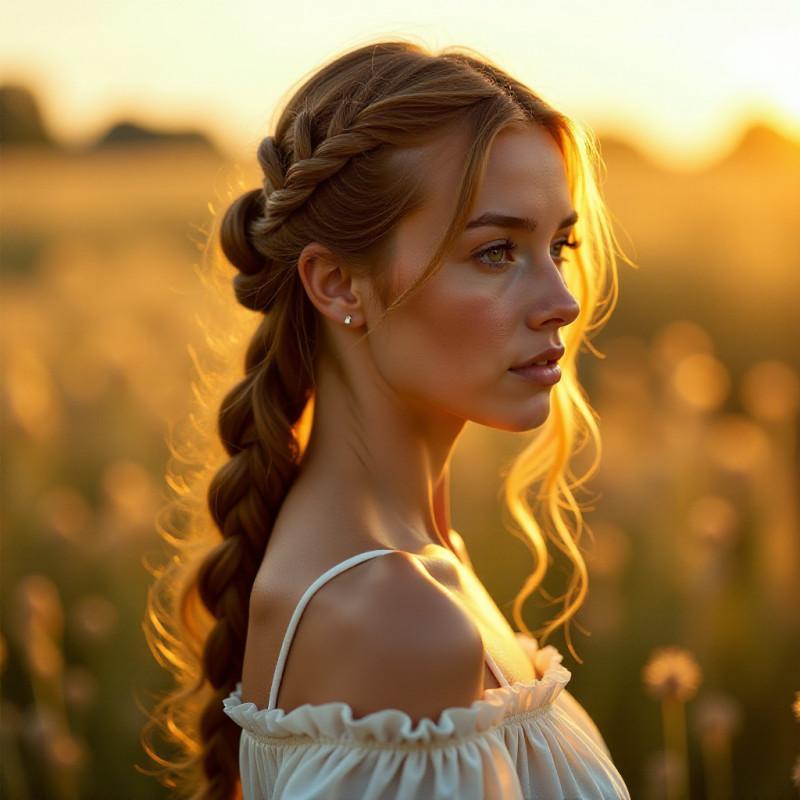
x: 335, y: 721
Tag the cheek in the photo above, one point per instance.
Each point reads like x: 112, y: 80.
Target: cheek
x: 473, y: 325
x: 455, y: 336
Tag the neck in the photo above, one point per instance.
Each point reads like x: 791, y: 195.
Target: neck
x: 381, y: 453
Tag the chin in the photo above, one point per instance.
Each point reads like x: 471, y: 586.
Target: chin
x: 525, y: 419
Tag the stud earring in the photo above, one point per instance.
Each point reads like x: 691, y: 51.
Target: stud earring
x: 348, y: 319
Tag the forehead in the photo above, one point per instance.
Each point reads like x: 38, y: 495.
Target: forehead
x: 525, y: 175
x: 525, y: 166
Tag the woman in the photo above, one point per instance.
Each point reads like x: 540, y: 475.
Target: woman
x: 414, y: 253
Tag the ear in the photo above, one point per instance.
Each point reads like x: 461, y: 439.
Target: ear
x: 329, y: 287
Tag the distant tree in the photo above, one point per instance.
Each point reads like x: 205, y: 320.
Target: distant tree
x: 762, y: 142
x: 20, y: 118
x: 123, y: 133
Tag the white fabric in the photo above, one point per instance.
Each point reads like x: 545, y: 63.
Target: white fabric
x: 530, y: 740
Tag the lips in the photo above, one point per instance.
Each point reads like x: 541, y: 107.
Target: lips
x: 542, y: 369
x: 546, y: 358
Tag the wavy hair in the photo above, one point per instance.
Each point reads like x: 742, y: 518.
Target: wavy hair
x: 331, y: 175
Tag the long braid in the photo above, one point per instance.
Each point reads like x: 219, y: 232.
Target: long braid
x: 257, y: 423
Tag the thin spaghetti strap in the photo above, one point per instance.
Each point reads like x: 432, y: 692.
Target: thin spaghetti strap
x: 495, y: 670
x: 301, y: 607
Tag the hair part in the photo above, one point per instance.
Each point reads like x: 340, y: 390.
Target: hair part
x: 336, y: 171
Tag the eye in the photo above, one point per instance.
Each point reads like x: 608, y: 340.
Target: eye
x: 494, y: 255
x: 558, y: 246
x: 497, y: 254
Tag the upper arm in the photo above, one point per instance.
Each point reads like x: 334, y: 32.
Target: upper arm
x: 385, y: 635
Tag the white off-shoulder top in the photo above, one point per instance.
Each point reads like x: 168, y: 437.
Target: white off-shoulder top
x: 529, y: 740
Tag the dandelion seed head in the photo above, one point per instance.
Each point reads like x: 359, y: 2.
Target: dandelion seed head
x: 672, y: 673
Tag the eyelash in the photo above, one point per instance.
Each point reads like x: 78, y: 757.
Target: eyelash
x: 562, y: 243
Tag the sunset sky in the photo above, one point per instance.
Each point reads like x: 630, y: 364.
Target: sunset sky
x: 681, y: 78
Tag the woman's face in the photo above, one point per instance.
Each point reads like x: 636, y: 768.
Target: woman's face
x: 480, y: 340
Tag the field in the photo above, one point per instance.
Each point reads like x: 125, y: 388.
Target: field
x: 106, y: 313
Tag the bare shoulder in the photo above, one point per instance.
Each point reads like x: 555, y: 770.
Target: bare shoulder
x: 384, y: 635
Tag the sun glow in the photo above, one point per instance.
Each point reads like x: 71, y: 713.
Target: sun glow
x: 681, y: 80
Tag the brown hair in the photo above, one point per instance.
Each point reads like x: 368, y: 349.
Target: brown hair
x: 332, y: 175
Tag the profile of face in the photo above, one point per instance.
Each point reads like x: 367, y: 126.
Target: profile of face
x: 480, y: 340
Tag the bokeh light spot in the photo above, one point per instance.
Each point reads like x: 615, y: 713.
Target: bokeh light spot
x: 702, y: 381
x: 770, y: 391
x: 736, y: 443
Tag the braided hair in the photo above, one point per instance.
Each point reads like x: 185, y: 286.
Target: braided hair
x: 331, y: 174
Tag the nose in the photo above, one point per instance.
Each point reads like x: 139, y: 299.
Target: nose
x: 552, y: 305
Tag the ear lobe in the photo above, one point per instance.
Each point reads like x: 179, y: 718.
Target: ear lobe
x: 328, y: 285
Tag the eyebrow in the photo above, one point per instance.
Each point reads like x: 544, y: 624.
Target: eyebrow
x: 494, y: 220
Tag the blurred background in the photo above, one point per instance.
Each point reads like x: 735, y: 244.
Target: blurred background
x: 125, y: 126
